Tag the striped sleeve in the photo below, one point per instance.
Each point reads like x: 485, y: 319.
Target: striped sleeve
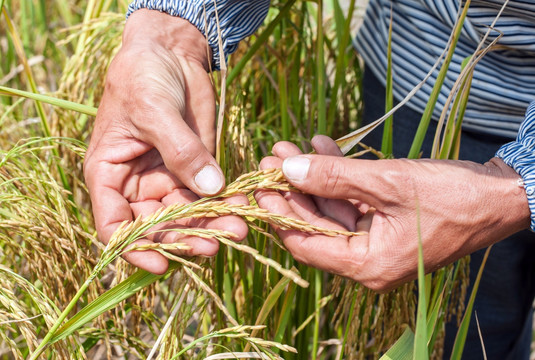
x: 237, y: 19
x: 520, y: 155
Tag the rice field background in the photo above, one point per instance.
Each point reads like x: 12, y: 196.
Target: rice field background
x: 63, y: 295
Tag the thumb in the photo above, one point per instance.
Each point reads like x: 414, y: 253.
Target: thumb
x: 335, y: 177
x: 186, y: 157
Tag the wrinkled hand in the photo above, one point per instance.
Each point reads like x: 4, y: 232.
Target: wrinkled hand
x: 460, y: 206
x: 154, y: 134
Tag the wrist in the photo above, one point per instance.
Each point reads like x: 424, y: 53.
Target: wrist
x: 154, y: 28
x: 508, y: 191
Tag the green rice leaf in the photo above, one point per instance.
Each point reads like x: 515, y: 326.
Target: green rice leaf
x: 321, y: 122
x: 285, y: 311
x: 269, y: 304
x: 64, y: 104
x: 348, y: 324
x: 420, y: 343
x: 402, y: 349
x: 138, y: 281
x: 261, y: 40
x: 453, y: 124
x: 428, y: 112
x: 271, y: 300
x: 343, y: 35
x: 434, y: 319
x: 460, y: 339
x: 388, y: 132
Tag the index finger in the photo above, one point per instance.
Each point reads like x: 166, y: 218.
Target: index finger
x: 111, y: 209
x: 339, y: 255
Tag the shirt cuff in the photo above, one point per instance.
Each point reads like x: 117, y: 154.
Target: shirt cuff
x: 237, y: 19
x: 520, y: 155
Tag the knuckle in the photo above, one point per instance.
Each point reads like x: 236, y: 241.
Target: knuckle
x: 380, y: 282
x: 396, y: 177
x: 334, y: 176
x: 88, y: 169
x: 211, y: 251
x: 299, y: 250
x: 380, y: 286
x: 395, y: 184
x: 187, y: 152
x: 378, y: 275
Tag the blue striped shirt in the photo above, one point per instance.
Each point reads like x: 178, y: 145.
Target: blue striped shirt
x: 233, y: 19
x: 504, y: 80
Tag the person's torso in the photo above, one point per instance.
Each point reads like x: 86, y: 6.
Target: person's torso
x: 504, y: 80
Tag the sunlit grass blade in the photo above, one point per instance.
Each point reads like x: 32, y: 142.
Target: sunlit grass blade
x: 431, y: 103
x: 344, y: 35
x: 19, y: 47
x: 460, y: 339
x: 90, y: 12
x: 321, y: 124
x: 283, y: 98
x: 434, y: 320
x: 222, y: 98
x: 481, y: 337
x: 15, y: 37
x: 449, y: 136
x: 402, y: 349
x: 348, y: 324
x: 138, y: 281
x: 451, y: 142
x: 260, y: 41
x: 64, y: 104
x: 64, y: 8
x: 421, y: 336
x: 388, y: 132
x: 456, y: 141
x: 170, y: 320
x: 318, y: 287
x: 285, y: 311
x: 269, y: 304
x: 241, y: 355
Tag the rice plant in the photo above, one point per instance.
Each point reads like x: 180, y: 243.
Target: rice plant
x: 65, y: 295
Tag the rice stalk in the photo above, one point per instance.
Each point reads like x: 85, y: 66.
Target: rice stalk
x: 14, y: 320
x: 323, y: 302
x: 19, y: 313
x: 238, y: 332
x: 170, y: 319
x: 36, y: 220
x: 126, y: 234
x: 64, y: 104
x: 190, y: 314
x: 38, y: 246
x: 239, y: 157
x: 241, y: 355
x: 217, y: 300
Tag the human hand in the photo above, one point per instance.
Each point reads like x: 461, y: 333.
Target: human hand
x: 154, y: 136
x: 459, y: 206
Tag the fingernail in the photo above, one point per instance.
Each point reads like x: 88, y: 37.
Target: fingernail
x: 296, y: 167
x: 209, y: 180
